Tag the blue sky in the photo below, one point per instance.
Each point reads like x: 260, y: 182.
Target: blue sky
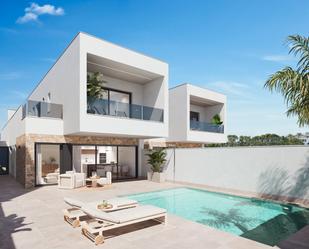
x: 228, y: 46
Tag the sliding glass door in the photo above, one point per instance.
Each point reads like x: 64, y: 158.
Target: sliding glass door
x: 113, y: 102
x: 126, y: 162
x: 84, y: 158
x: 47, y: 163
x: 54, y: 159
x: 119, y: 103
x: 121, y: 161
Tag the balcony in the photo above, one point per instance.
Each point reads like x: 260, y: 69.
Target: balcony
x: 124, y: 110
x: 42, y: 110
x: 208, y: 127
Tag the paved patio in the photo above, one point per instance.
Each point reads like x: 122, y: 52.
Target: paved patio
x: 33, y: 219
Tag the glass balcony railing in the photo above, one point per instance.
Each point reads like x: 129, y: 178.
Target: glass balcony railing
x: 125, y: 110
x: 203, y: 126
x: 42, y: 109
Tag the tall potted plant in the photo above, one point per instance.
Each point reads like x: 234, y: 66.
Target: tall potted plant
x: 95, y: 89
x: 156, y: 159
x: 216, y: 120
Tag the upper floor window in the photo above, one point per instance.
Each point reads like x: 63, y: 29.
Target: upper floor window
x: 194, y: 116
x: 113, y: 102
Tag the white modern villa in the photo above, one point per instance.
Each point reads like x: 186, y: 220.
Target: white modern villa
x: 85, y: 132
x: 191, y: 110
x: 60, y: 128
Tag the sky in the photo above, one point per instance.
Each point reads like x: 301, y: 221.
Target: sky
x: 228, y: 46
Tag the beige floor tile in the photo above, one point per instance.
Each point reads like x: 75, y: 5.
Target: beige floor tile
x: 41, y: 209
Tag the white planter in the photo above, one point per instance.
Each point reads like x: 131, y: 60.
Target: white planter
x: 149, y: 175
x: 156, y: 176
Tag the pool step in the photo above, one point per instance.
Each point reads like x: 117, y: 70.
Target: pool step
x: 299, y: 240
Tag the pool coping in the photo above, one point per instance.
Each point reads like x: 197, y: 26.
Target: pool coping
x: 303, y: 203
x: 229, y: 193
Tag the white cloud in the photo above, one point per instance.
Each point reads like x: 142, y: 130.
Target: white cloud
x: 278, y: 58
x: 233, y: 88
x: 33, y: 12
x: 45, y: 9
x: 27, y: 18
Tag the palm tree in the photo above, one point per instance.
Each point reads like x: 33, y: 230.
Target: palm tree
x: 95, y: 85
x: 293, y: 84
x: 216, y: 120
x: 232, y: 140
x: 226, y: 219
x: 156, y: 158
x: 95, y: 89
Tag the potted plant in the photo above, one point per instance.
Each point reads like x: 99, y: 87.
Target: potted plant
x: 218, y: 123
x: 104, y: 205
x: 156, y: 159
x: 95, y: 89
x: 216, y: 120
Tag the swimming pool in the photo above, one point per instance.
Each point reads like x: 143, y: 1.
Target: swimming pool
x: 263, y: 221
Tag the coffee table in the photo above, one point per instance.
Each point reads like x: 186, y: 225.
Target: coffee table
x: 93, y: 182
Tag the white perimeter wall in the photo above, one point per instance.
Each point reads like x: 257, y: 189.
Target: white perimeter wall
x: 277, y: 170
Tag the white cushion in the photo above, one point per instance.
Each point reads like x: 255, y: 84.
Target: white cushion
x: 120, y: 202
x: 124, y: 215
x: 73, y: 202
x: 93, y: 212
x: 139, y: 212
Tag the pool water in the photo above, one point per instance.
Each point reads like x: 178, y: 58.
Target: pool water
x: 263, y: 221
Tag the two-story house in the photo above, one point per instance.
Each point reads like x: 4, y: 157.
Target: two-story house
x: 93, y: 110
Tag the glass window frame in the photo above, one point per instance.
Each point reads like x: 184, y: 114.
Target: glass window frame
x: 118, y: 91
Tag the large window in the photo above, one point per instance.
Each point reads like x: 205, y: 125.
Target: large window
x: 47, y: 163
x: 121, y: 161
x: 194, y: 116
x: 119, y: 103
x: 113, y: 102
x: 55, y: 159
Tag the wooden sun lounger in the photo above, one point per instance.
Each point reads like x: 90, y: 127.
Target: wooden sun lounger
x: 74, y: 214
x: 101, y: 221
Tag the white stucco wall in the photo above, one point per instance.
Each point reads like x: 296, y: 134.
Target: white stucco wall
x: 135, y: 89
x: 10, y: 113
x: 63, y: 83
x: 14, y: 128
x: 178, y: 109
x: 179, y: 113
x: 276, y: 170
x: 154, y: 93
x: 66, y: 83
x: 44, y: 126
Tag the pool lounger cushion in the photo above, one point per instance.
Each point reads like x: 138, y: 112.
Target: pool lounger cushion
x: 102, y: 221
x: 73, y: 215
